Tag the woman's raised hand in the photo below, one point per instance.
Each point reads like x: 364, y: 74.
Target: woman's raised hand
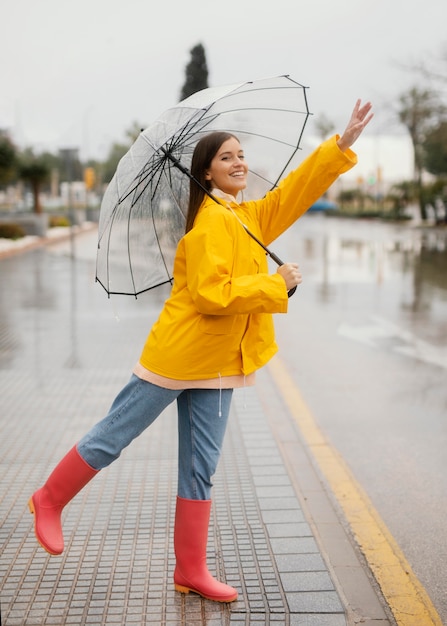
x: 360, y: 117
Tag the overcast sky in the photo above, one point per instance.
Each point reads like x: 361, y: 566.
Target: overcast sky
x: 78, y: 74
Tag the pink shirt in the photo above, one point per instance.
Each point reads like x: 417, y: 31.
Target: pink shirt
x: 223, y: 382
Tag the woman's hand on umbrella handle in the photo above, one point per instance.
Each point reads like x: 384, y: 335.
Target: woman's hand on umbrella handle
x: 291, y: 275
x: 360, y: 117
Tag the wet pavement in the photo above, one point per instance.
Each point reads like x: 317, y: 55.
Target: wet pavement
x: 366, y: 343
x: 65, y: 351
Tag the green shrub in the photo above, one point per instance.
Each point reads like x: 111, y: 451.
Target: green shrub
x: 9, y: 230
x: 58, y: 221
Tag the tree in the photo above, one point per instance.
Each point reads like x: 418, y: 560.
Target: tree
x: 418, y: 108
x: 34, y: 170
x: 8, y: 158
x: 196, y: 72
x: 433, y: 69
x: 435, y: 150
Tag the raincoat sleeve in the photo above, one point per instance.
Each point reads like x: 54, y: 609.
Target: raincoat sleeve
x: 301, y: 188
x: 222, y: 278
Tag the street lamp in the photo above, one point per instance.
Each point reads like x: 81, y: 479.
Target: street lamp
x: 69, y: 156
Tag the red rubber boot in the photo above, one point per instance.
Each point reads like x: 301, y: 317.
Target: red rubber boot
x: 190, y: 540
x: 65, y: 481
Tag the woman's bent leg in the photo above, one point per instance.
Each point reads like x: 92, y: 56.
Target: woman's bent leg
x: 135, y: 408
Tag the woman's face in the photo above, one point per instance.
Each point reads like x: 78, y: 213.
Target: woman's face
x: 228, y: 170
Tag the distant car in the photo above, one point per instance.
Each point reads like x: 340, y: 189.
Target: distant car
x: 323, y: 205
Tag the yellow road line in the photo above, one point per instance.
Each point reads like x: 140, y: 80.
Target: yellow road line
x: 400, y: 587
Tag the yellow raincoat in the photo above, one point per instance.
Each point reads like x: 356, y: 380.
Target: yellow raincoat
x: 217, y: 320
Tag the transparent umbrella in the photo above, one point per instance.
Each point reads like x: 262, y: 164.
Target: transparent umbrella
x: 143, y: 211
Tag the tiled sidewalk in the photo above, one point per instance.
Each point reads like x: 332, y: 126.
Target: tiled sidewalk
x: 61, y: 362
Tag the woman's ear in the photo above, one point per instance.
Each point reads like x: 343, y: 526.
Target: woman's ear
x: 207, y: 176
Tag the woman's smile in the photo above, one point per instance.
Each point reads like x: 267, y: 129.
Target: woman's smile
x: 228, y: 169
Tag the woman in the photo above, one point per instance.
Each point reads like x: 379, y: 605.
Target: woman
x: 214, y: 332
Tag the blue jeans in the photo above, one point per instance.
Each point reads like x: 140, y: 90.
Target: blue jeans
x: 202, y: 420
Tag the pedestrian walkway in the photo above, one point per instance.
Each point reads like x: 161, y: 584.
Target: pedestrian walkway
x: 63, y: 357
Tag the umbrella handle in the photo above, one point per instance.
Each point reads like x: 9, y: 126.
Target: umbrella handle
x: 279, y: 262
x: 272, y: 255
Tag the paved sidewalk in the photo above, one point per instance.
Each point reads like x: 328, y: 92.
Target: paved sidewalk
x: 11, y: 247
x: 63, y: 357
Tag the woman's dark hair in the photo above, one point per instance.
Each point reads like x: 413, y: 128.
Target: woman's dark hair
x: 204, y: 153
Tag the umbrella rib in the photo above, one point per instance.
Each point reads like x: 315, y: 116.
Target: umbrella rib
x: 299, y: 141
x: 129, y: 293
x: 128, y: 251
x: 110, y: 222
x: 153, y: 220
x: 157, y: 237
x: 149, y: 172
x: 134, y: 200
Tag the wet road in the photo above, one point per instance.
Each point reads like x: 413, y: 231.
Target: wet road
x: 366, y: 342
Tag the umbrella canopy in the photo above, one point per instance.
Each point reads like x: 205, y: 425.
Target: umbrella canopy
x: 143, y: 211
